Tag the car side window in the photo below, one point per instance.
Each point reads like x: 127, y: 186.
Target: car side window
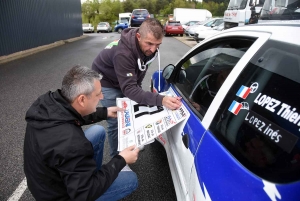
x: 259, y: 119
x: 207, y: 69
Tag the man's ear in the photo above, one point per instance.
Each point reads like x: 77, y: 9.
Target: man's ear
x: 81, y: 99
x: 138, y: 36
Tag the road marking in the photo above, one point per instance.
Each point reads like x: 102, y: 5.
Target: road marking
x: 19, y: 191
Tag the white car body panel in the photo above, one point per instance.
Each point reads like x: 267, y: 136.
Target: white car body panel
x: 181, y: 160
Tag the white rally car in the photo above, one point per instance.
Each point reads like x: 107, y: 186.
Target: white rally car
x: 241, y: 141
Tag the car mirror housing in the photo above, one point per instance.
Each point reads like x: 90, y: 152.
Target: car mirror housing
x: 168, y: 70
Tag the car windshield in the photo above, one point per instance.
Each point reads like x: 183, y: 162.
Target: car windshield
x: 140, y: 12
x: 201, y: 23
x: 124, y: 20
x: 85, y: 25
x: 241, y: 4
x: 219, y: 27
x: 209, y: 23
x: 102, y: 24
x: 281, y: 10
x: 174, y: 24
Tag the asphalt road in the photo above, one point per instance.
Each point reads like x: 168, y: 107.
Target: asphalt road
x: 23, y: 80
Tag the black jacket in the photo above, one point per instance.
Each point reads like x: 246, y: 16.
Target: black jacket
x: 58, y: 159
x: 118, y: 63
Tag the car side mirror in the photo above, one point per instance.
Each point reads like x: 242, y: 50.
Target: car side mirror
x: 213, y: 25
x: 168, y: 70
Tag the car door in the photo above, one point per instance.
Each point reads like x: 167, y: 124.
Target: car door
x: 250, y: 150
x: 212, y: 61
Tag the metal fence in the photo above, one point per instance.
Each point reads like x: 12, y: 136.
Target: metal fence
x: 25, y: 24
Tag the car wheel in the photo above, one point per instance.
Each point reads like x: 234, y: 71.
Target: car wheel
x: 181, y: 35
x: 120, y: 30
x: 165, y: 33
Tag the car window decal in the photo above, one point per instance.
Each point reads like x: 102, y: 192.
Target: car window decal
x: 281, y: 137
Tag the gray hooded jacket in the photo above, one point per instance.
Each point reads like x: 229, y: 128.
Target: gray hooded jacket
x: 119, y: 67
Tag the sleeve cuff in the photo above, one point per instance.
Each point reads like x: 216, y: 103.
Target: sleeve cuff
x: 159, y: 100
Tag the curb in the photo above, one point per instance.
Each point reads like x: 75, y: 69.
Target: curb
x: 24, y: 53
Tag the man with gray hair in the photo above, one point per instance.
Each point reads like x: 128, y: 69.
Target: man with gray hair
x: 63, y: 162
x: 124, y: 64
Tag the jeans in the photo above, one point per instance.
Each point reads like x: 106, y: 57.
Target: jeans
x: 125, y: 183
x: 96, y: 135
x: 109, y: 100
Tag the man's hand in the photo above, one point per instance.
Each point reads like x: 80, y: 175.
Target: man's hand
x: 130, y: 154
x: 172, y: 103
x: 112, y: 111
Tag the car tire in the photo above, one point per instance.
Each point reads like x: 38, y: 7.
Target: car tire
x: 165, y: 33
x: 181, y: 35
x: 120, y: 30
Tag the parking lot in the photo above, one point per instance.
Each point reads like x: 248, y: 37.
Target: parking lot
x: 24, y: 79
x: 186, y: 40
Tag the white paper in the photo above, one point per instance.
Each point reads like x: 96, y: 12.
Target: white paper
x: 140, y: 124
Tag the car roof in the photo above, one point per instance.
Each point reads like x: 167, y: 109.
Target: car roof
x: 280, y: 31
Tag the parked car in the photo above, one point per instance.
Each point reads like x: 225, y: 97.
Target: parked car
x: 190, y: 31
x: 190, y: 23
x: 138, y: 16
x: 241, y: 140
x: 173, y: 28
x: 87, y: 27
x: 202, y: 34
x: 104, y: 27
x: 121, y: 26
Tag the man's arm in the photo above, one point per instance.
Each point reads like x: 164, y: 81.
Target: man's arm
x: 100, y: 114
x: 81, y: 179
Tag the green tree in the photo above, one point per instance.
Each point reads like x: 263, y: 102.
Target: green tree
x: 180, y: 4
x: 89, y: 10
x: 144, y: 4
x: 152, y: 7
x: 215, y: 8
x: 129, y: 5
x: 109, y: 10
x: 160, y: 5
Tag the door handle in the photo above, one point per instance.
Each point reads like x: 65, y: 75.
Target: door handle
x: 185, y: 140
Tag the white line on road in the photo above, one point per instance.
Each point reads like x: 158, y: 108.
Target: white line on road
x: 19, y: 191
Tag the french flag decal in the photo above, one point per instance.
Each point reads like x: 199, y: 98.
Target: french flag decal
x: 235, y: 107
x: 243, y: 92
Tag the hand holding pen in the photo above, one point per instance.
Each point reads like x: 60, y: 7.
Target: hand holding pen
x: 172, y: 103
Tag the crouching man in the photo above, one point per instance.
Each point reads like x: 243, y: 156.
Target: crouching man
x: 63, y: 162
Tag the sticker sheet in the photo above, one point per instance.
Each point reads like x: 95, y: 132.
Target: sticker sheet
x: 139, y: 124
